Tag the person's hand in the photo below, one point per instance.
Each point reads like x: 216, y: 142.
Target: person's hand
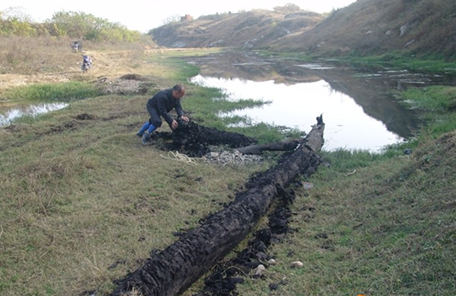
x: 184, y: 118
x: 174, y: 124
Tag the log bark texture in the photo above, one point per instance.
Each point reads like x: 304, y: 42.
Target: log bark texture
x: 280, y: 146
x: 314, y: 141
x: 176, y: 268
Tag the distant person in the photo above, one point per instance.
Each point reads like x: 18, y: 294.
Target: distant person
x: 158, y: 106
x: 86, y: 63
x: 77, y: 46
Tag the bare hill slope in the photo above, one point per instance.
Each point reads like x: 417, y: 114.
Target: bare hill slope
x: 381, y: 26
x: 252, y: 29
x: 365, y: 27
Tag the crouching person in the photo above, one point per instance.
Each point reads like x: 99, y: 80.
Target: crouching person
x: 158, y: 107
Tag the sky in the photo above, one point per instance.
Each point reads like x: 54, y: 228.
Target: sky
x: 142, y: 15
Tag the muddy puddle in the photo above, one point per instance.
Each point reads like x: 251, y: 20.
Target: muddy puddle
x: 10, y: 113
x: 358, y: 106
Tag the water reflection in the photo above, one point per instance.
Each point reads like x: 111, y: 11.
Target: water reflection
x: 358, y: 106
x: 9, y: 115
x: 297, y: 105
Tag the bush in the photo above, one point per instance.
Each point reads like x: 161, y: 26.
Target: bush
x: 52, y: 92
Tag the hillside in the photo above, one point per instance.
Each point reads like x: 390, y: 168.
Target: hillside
x: 381, y: 26
x: 252, y: 29
x: 416, y: 27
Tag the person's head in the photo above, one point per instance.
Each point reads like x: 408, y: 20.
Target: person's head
x: 178, y: 91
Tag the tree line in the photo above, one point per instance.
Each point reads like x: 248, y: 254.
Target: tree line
x: 77, y: 25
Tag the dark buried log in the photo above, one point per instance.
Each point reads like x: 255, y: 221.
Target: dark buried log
x: 176, y: 268
x: 190, y: 133
x: 312, y: 141
x: 281, y: 146
x: 195, y: 139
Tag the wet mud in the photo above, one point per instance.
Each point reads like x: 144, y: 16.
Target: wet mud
x: 195, y: 140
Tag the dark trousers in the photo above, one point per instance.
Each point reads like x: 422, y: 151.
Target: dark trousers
x: 155, y: 118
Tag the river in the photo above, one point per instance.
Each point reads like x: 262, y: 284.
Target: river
x: 358, y: 106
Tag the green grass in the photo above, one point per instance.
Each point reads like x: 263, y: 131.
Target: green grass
x: 390, y: 228
x: 437, y: 104
x: 397, y: 60
x: 428, y: 64
x: 173, y: 67
x: 79, y: 200
x: 83, y: 203
x: 53, y: 92
x: 433, y: 98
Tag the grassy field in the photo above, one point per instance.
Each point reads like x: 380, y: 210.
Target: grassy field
x: 82, y: 202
